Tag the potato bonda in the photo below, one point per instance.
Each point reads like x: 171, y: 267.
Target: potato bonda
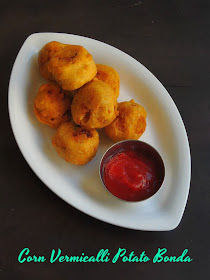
x: 72, y: 67
x: 52, y: 105
x: 76, y: 144
x: 109, y: 76
x: 130, y: 123
x: 45, y: 54
x: 94, y: 105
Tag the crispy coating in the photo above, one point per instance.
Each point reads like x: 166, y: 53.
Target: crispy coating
x: 94, y: 105
x: 76, y: 144
x: 72, y: 67
x: 130, y: 123
x: 52, y: 105
x: 109, y: 76
x: 45, y: 54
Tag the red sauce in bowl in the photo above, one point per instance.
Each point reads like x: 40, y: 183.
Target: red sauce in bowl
x: 133, y: 173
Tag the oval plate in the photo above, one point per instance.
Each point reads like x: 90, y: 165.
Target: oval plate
x: 80, y: 186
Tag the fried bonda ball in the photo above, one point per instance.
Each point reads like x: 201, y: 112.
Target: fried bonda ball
x: 76, y: 144
x: 94, y: 105
x: 130, y: 123
x: 109, y: 76
x: 45, y: 54
x: 72, y: 67
x: 52, y: 105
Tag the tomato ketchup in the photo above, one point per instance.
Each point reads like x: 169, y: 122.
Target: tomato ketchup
x: 134, y: 174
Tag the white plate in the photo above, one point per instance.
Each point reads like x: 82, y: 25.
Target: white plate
x: 80, y: 186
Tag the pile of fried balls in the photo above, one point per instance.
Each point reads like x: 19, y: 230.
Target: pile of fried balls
x: 80, y: 97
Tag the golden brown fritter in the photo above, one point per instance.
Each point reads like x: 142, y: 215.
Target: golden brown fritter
x: 76, y: 144
x: 109, y: 76
x: 45, y: 55
x: 130, y: 123
x: 52, y: 105
x: 72, y: 67
x: 94, y: 105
